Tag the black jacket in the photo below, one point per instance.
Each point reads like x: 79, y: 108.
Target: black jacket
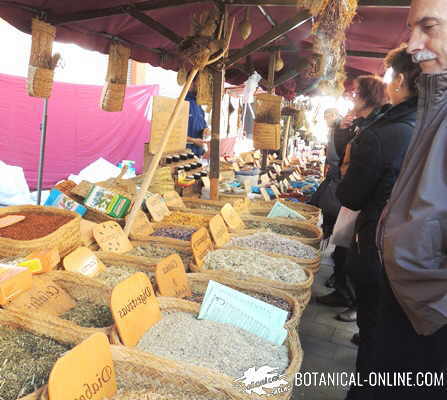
x: 377, y: 154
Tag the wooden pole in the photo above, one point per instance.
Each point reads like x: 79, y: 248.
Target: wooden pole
x: 218, y: 80
x: 148, y: 176
x: 271, y: 89
x: 286, y: 139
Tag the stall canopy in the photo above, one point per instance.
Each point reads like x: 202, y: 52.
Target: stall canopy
x: 154, y: 28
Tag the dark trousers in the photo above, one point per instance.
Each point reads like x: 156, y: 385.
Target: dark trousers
x: 401, y: 349
x: 342, y: 284
x: 367, y: 319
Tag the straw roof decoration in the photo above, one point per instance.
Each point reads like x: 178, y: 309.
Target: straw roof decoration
x: 332, y: 18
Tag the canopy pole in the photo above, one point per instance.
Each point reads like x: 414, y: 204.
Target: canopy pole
x: 156, y: 159
x: 43, y: 138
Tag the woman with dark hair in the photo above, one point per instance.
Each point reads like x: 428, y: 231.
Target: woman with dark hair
x: 376, y: 157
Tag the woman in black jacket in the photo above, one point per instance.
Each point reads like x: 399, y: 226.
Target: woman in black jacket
x: 376, y: 158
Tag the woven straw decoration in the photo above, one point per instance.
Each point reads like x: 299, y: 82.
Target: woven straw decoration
x: 114, y: 90
x: 41, y: 69
x: 205, y: 88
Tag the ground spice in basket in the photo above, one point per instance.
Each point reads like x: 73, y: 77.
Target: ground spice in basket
x: 282, y: 229
x: 273, y: 300
x: 34, y: 226
x: 173, y: 232
x: 255, y: 263
x: 114, y: 274
x: 26, y: 361
x: 181, y: 218
x: 158, y: 251
x: 89, y: 315
x: 273, y: 243
x: 222, y: 348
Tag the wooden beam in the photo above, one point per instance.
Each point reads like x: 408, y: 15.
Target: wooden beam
x: 294, y: 3
x: 366, y: 54
x: 156, y: 26
x: 272, y: 22
x: 269, y: 37
x: 218, y: 81
x: 290, y: 74
x: 58, y: 19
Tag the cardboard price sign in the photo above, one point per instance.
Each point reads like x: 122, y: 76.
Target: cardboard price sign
x: 201, y: 244
x: 141, y: 228
x: 13, y: 281
x: 135, y: 308
x: 157, y: 207
x: 264, y: 179
x: 45, y: 296
x: 206, y: 182
x: 232, y: 218
x: 87, y: 227
x: 276, y: 192
x: 219, y: 231
x: 265, y: 194
x: 83, y: 261
x: 111, y: 237
x: 10, y: 220
x: 173, y: 199
x: 171, y: 277
x: 95, y: 380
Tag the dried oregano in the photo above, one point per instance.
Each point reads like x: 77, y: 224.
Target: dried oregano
x: 89, y: 315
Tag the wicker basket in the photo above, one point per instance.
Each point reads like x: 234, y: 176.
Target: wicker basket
x: 66, y: 238
x: 199, y: 284
x: 263, y: 212
x: 302, y: 208
x: 40, y: 81
x: 301, y: 291
x: 150, y: 370
x: 305, y: 232
x: 78, y: 287
x: 171, y: 304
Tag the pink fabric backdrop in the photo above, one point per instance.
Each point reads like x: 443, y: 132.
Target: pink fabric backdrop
x: 78, y: 131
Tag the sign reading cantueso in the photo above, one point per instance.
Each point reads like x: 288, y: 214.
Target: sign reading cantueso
x: 171, y: 277
x: 173, y: 199
x: 45, y: 296
x: 232, y: 218
x: 94, y: 380
x: 111, y: 237
x: 201, y: 244
x: 219, y: 231
x: 135, y: 308
x: 157, y: 207
x: 141, y: 228
x: 83, y: 261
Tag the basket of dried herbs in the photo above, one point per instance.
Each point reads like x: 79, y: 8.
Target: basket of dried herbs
x: 171, y: 234
x: 278, y: 298
x: 302, y: 208
x: 28, y: 356
x: 42, y: 228
x: 188, y: 219
x: 305, y: 232
x: 279, y: 272
x: 144, y: 250
x: 209, y: 206
x: 223, y: 352
x: 282, y: 245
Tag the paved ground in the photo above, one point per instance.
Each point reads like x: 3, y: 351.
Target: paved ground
x: 325, y: 341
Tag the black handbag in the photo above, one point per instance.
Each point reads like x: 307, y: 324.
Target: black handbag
x: 325, y: 197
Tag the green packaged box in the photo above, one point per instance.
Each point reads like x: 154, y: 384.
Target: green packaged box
x: 107, y: 202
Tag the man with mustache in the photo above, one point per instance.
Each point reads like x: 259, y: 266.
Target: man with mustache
x: 412, y: 235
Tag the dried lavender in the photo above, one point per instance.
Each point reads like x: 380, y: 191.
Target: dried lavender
x: 282, y: 229
x: 179, y: 233
x: 222, y: 347
x: 26, y: 361
x: 89, y: 315
x: 114, y: 274
x: 273, y: 243
x: 255, y: 263
x: 158, y: 251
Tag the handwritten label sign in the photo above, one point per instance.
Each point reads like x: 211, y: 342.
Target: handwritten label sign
x: 264, y: 179
x: 265, y: 194
x: 219, y: 231
x: 95, y: 380
x: 173, y: 199
x: 135, y: 308
x: 45, y: 296
x: 157, y: 207
x: 83, y: 261
x: 277, y: 168
x: 13, y: 281
x: 111, y: 237
x: 201, y: 244
x: 292, y: 178
x: 10, y: 220
x: 232, y: 218
x: 171, y: 277
x: 141, y: 228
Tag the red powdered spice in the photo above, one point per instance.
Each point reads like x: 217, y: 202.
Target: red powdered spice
x: 34, y: 226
